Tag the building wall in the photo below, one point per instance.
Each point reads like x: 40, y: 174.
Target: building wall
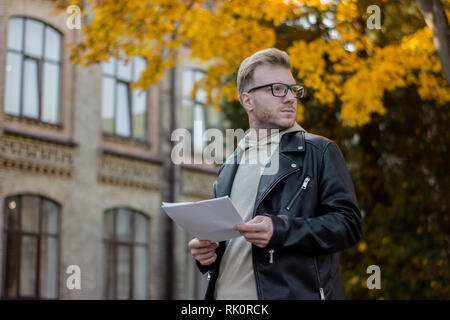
x: 87, y: 173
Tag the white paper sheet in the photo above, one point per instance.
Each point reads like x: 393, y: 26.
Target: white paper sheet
x: 211, y: 219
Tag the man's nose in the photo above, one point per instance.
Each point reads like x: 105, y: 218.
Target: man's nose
x: 289, y: 97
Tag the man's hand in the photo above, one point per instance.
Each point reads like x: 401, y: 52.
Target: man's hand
x: 203, y: 251
x: 257, y: 231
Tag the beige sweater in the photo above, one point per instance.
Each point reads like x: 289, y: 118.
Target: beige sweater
x: 236, y: 280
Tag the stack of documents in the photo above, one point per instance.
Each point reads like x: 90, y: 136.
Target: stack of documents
x: 211, y: 219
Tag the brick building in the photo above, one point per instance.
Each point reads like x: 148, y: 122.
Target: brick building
x: 80, y: 168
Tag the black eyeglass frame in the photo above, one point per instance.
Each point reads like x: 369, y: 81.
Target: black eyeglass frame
x: 289, y: 86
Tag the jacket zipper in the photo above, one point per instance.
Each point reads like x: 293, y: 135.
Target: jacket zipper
x: 299, y: 191
x: 273, y: 185
x: 271, y: 251
x: 258, y: 288
x: 321, y: 292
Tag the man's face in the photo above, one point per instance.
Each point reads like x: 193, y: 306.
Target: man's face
x: 266, y: 110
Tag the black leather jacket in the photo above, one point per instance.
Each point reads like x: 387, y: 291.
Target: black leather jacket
x: 312, y: 203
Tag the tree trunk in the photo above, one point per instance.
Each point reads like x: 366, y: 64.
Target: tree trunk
x: 435, y: 18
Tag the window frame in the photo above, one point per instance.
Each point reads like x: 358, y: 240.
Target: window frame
x: 115, y: 243
x: 39, y: 235
x: 40, y: 71
x: 117, y: 80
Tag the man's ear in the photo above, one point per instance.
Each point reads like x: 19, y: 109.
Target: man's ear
x: 247, y: 101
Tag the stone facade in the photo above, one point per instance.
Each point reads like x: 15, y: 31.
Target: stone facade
x: 87, y: 173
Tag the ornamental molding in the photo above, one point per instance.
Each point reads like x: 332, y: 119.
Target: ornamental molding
x: 35, y: 155
x: 128, y: 172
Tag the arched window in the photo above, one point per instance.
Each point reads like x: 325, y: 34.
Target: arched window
x: 33, y: 67
x: 124, y: 110
x: 125, y: 254
x: 31, y: 233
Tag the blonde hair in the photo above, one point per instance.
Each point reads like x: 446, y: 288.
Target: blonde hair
x: 270, y: 56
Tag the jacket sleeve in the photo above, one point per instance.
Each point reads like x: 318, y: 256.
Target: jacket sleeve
x: 337, y: 224
x: 205, y: 269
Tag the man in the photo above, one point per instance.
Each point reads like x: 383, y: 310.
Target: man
x: 297, y: 218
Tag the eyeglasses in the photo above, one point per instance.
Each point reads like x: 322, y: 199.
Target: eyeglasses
x: 281, y: 89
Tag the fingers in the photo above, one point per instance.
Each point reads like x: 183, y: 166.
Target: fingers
x: 205, y: 256
x: 209, y: 261
x: 255, y: 236
x: 257, y: 224
x: 257, y: 231
x: 258, y: 241
x: 199, y: 244
x: 203, y: 251
x: 248, y: 227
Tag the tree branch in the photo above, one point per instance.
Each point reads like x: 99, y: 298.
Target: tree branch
x: 435, y: 18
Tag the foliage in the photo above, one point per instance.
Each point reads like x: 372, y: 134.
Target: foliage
x: 380, y: 93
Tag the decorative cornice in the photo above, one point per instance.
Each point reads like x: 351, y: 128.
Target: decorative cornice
x: 128, y: 171
x: 33, y: 154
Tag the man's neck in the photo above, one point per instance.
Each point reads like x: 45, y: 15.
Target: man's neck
x: 261, y: 133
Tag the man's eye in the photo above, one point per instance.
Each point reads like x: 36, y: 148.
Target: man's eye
x: 278, y: 88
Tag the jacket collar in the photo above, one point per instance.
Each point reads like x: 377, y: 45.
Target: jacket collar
x: 291, y: 142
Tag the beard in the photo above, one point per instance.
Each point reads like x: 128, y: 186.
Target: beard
x: 265, y: 117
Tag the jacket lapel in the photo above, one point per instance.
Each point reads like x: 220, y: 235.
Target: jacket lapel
x: 226, y: 177
x: 285, y: 167
x: 290, y: 142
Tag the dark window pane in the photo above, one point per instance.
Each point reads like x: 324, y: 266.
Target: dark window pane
x: 22, y: 249
x: 34, y: 35
x: 123, y: 110
x: 140, y: 272
x: 50, y: 217
x: 52, y: 44
x: 123, y: 231
x: 141, y: 227
x: 108, y: 276
x: 28, y: 266
x: 119, y: 279
x: 50, y: 93
x: 15, y: 33
x: 13, y: 76
x: 12, y: 263
x: 30, y: 213
x: 30, y: 94
x: 123, y: 272
x: 108, y: 94
x: 49, y: 268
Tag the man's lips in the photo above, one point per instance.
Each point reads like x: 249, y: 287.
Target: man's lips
x: 288, y: 110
